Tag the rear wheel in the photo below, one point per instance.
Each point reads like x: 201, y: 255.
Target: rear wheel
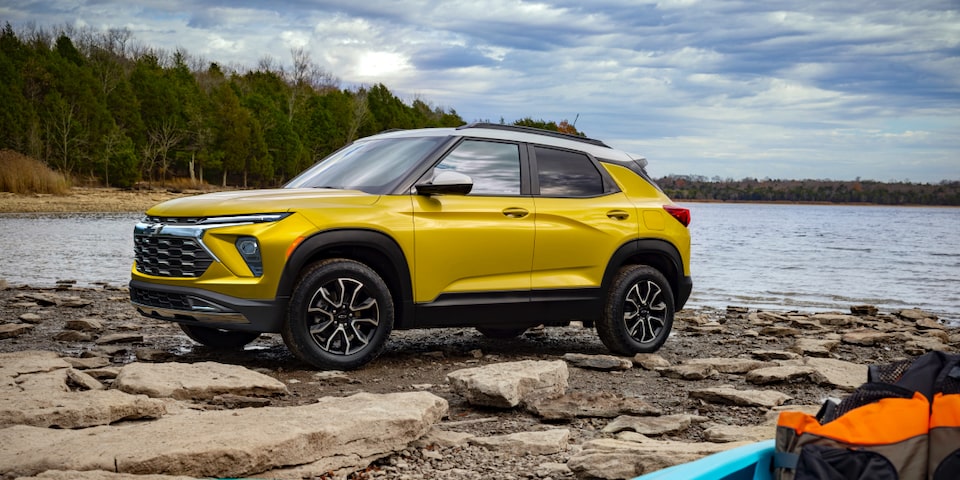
x: 217, y: 338
x: 340, y: 315
x: 501, y: 333
x: 639, y: 311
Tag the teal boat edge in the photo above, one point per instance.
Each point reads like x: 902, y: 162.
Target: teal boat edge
x: 749, y: 462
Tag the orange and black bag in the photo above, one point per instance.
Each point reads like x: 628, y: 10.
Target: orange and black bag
x: 904, y: 423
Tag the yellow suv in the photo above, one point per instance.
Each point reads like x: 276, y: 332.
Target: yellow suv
x: 496, y: 227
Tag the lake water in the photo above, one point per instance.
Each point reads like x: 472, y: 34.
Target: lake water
x: 778, y: 257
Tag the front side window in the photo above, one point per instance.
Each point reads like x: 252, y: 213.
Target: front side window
x: 562, y: 173
x: 372, y: 166
x: 493, y: 166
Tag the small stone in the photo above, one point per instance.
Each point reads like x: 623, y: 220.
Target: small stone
x: 785, y: 373
x: 729, y: 365
x: 774, y: 355
x: 84, y: 325
x: 778, y: 331
x: 87, y: 363
x: 867, y: 338
x: 864, y: 310
x: 813, y: 347
x: 914, y: 314
x: 835, y: 319
x: 31, y: 317
x: 598, y: 362
x: 650, y: 361
x: 72, y: 336
x: 688, y: 372
x: 922, y: 324
x: 152, y: 354
x: 120, y: 338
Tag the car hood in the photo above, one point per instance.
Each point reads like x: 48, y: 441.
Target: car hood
x: 260, y: 201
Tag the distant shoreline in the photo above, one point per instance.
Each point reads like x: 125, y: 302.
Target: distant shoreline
x: 116, y: 200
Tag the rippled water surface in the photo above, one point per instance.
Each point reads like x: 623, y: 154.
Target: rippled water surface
x: 826, y: 257
x: 771, y: 256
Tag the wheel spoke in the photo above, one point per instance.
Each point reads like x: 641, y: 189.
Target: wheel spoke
x: 345, y: 316
x: 643, y: 311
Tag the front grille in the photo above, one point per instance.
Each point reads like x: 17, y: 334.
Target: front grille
x: 170, y: 256
x: 174, y: 301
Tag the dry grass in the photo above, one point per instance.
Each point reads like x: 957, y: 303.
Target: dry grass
x: 22, y: 174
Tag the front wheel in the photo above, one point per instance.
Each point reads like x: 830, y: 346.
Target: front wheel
x: 638, y: 314
x: 340, y: 315
x: 219, y: 339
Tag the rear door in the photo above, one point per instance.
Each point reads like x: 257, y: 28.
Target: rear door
x: 582, y: 219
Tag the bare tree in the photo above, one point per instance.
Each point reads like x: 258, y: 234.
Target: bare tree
x: 163, y: 139
x: 361, y: 111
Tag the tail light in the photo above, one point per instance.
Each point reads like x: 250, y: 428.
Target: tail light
x: 681, y: 214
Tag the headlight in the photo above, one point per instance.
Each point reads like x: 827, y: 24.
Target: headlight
x: 249, y: 249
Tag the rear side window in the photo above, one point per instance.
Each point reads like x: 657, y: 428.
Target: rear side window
x: 493, y: 166
x: 562, y: 173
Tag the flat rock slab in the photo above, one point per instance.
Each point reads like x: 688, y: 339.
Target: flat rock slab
x: 230, y: 443
x: 780, y: 374
x: 737, y: 433
x: 617, y: 459
x: 838, y: 373
x: 203, y: 380
x: 813, y: 347
x: 597, y: 405
x: 652, y: 425
x: 650, y: 361
x: 867, y: 338
x: 99, y: 475
x: 688, y: 371
x: 40, y: 389
x: 12, y: 330
x: 506, y: 385
x: 730, y: 365
x: 598, y: 362
x: 835, y: 319
x: 526, y: 443
x: 746, y: 398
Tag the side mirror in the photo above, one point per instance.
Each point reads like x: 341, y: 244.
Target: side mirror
x: 446, y: 182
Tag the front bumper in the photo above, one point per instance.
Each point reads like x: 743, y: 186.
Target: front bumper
x: 195, y: 306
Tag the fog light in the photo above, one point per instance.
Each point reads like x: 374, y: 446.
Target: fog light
x: 249, y: 249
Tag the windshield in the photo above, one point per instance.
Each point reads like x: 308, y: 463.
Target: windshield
x: 372, y: 166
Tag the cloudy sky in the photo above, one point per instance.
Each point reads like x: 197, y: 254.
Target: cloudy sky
x: 739, y: 88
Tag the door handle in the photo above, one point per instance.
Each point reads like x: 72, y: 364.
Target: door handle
x: 515, y: 212
x: 618, y: 214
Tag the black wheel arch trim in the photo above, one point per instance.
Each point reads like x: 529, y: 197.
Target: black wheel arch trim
x: 659, y: 254
x: 388, y: 261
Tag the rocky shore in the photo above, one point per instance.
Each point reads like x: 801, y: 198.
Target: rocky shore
x: 89, y: 389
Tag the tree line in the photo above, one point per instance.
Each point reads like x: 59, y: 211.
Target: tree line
x: 692, y: 187
x: 100, y: 107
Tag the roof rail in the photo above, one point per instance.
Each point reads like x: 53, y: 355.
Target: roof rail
x: 537, y: 131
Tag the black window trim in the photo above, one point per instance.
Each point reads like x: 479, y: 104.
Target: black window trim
x: 525, y: 175
x: 609, y: 186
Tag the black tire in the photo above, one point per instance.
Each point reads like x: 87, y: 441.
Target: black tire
x: 638, y: 314
x: 340, y: 315
x: 505, y: 333
x: 219, y: 339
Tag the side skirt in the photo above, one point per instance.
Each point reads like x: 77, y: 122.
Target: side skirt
x: 509, y: 309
